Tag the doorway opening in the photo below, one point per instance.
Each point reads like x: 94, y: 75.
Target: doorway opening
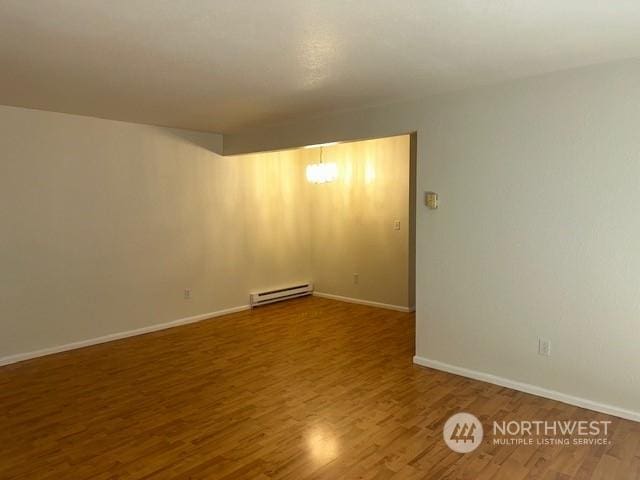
x: 349, y: 220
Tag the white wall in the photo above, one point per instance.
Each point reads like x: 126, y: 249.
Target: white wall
x: 538, y: 229
x: 104, y: 224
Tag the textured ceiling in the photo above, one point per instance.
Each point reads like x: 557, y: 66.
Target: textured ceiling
x: 226, y: 65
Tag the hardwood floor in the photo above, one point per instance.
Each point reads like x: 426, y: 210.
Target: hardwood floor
x: 308, y: 389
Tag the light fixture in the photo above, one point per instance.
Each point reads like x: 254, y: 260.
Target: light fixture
x: 322, y: 172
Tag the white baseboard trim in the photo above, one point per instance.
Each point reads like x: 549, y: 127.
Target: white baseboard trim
x: 527, y: 388
x: 116, y: 336
x: 363, y: 302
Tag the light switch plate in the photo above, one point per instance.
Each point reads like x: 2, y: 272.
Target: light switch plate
x: 431, y: 200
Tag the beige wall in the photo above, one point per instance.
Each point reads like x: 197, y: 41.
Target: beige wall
x: 352, y: 222
x: 538, y: 229
x: 104, y: 224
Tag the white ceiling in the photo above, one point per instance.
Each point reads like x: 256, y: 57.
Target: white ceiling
x: 225, y: 65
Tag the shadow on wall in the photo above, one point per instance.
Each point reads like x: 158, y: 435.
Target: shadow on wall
x: 206, y: 140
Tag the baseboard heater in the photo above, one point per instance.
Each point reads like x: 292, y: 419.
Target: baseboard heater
x: 279, y: 294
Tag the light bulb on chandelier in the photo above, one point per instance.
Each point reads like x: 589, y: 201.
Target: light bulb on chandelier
x: 322, y: 172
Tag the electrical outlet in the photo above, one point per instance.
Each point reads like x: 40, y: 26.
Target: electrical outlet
x: 187, y: 294
x: 356, y: 278
x: 544, y: 347
x: 396, y: 225
x: 431, y: 200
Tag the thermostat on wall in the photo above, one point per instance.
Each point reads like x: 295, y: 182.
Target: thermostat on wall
x: 431, y: 200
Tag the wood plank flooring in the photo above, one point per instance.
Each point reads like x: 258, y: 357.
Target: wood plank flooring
x: 308, y: 389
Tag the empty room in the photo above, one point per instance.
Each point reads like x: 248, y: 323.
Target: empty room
x: 319, y: 240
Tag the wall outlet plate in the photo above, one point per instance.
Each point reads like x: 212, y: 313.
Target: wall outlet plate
x: 544, y: 347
